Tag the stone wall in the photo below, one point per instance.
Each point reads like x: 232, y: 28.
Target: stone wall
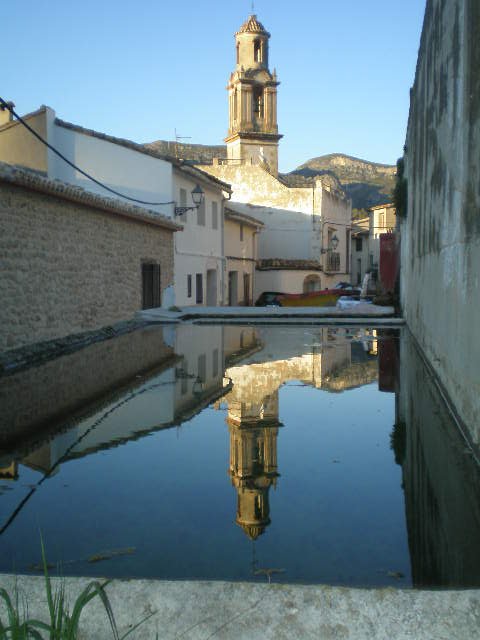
x: 68, y: 267
x: 440, y: 233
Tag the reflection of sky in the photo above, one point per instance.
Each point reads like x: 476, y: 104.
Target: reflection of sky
x: 336, y: 514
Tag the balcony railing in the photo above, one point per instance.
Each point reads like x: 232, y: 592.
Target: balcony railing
x: 333, y: 261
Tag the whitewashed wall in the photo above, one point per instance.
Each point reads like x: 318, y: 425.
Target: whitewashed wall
x: 125, y: 170
x: 198, y: 248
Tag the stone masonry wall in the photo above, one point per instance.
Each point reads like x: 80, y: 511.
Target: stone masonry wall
x: 440, y: 234
x: 67, y: 267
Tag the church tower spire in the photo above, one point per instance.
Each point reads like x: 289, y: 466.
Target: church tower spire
x: 252, y: 92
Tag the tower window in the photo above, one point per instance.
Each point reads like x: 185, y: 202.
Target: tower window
x: 238, y: 53
x: 257, y: 51
x: 258, y: 102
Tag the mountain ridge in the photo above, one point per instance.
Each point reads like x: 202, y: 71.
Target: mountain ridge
x: 367, y: 183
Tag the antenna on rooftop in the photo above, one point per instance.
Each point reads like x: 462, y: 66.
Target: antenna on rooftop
x: 253, y: 7
x: 178, y: 137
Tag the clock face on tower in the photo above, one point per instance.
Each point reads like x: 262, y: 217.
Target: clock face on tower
x: 252, y: 91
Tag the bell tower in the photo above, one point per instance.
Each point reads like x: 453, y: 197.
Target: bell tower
x: 252, y: 93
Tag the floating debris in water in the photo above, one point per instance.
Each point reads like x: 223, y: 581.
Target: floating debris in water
x: 107, y: 555
x: 398, y: 575
x: 268, y: 573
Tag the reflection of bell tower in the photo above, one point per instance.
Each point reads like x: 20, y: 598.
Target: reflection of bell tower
x: 252, y: 92
x: 253, y: 460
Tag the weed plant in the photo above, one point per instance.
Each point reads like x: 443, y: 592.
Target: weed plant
x: 64, y: 624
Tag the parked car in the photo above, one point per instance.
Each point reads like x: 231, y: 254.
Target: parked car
x: 269, y: 299
x: 348, y: 288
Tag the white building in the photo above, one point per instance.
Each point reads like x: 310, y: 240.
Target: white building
x: 159, y: 182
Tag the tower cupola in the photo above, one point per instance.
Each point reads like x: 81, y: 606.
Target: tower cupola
x: 252, y: 45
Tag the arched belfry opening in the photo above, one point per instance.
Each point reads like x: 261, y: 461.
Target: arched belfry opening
x: 253, y: 130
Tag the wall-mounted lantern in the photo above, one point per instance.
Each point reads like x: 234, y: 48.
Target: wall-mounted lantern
x: 198, y: 196
x: 333, y: 245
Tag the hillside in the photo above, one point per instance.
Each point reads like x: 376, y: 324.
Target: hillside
x: 366, y: 183
x: 197, y: 153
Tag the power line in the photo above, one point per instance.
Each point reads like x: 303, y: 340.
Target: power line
x: 6, y: 105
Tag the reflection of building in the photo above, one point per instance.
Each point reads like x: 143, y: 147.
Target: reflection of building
x: 253, y: 403
x: 9, y: 471
x: 253, y: 460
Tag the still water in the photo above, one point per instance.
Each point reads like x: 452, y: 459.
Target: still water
x: 295, y: 454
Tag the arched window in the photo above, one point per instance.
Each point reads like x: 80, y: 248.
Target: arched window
x: 258, y: 102
x: 235, y: 105
x: 311, y: 283
x: 257, y: 51
x: 238, y: 53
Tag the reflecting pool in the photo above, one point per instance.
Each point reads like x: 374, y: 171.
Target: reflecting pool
x: 283, y: 453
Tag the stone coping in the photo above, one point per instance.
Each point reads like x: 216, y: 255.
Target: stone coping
x: 361, y: 314
x: 195, y: 610
x: 19, y: 176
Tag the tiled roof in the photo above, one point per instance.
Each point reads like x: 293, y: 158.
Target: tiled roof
x: 252, y: 25
x: 32, y: 180
x: 146, y: 150
x: 242, y: 217
x: 270, y: 264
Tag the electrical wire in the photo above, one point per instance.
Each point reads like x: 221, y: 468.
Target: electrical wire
x: 5, y: 105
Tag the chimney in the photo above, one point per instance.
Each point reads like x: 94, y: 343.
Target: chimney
x: 5, y: 115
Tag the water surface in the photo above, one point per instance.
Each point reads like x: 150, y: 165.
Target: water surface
x: 296, y: 454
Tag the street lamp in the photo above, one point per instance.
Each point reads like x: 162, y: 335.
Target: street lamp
x: 198, y: 196
x: 332, y: 245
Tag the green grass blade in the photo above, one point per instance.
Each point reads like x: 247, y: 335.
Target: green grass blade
x: 31, y: 632
x: 48, y: 585
x: 13, y: 622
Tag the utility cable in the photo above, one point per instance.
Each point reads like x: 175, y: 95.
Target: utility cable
x: 5, y: 105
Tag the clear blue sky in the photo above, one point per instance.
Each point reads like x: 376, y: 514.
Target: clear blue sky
x: 139, y: 70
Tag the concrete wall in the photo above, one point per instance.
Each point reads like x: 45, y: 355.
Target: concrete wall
x: 440, y: 234
x: 68, y: 267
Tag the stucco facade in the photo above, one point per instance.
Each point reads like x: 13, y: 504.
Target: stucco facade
x: 199, y: 251
x: 241, y: 233
x: 72, y: 261
x: 383, y: 219
x: 360, y: 253
x: 299, y: 224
